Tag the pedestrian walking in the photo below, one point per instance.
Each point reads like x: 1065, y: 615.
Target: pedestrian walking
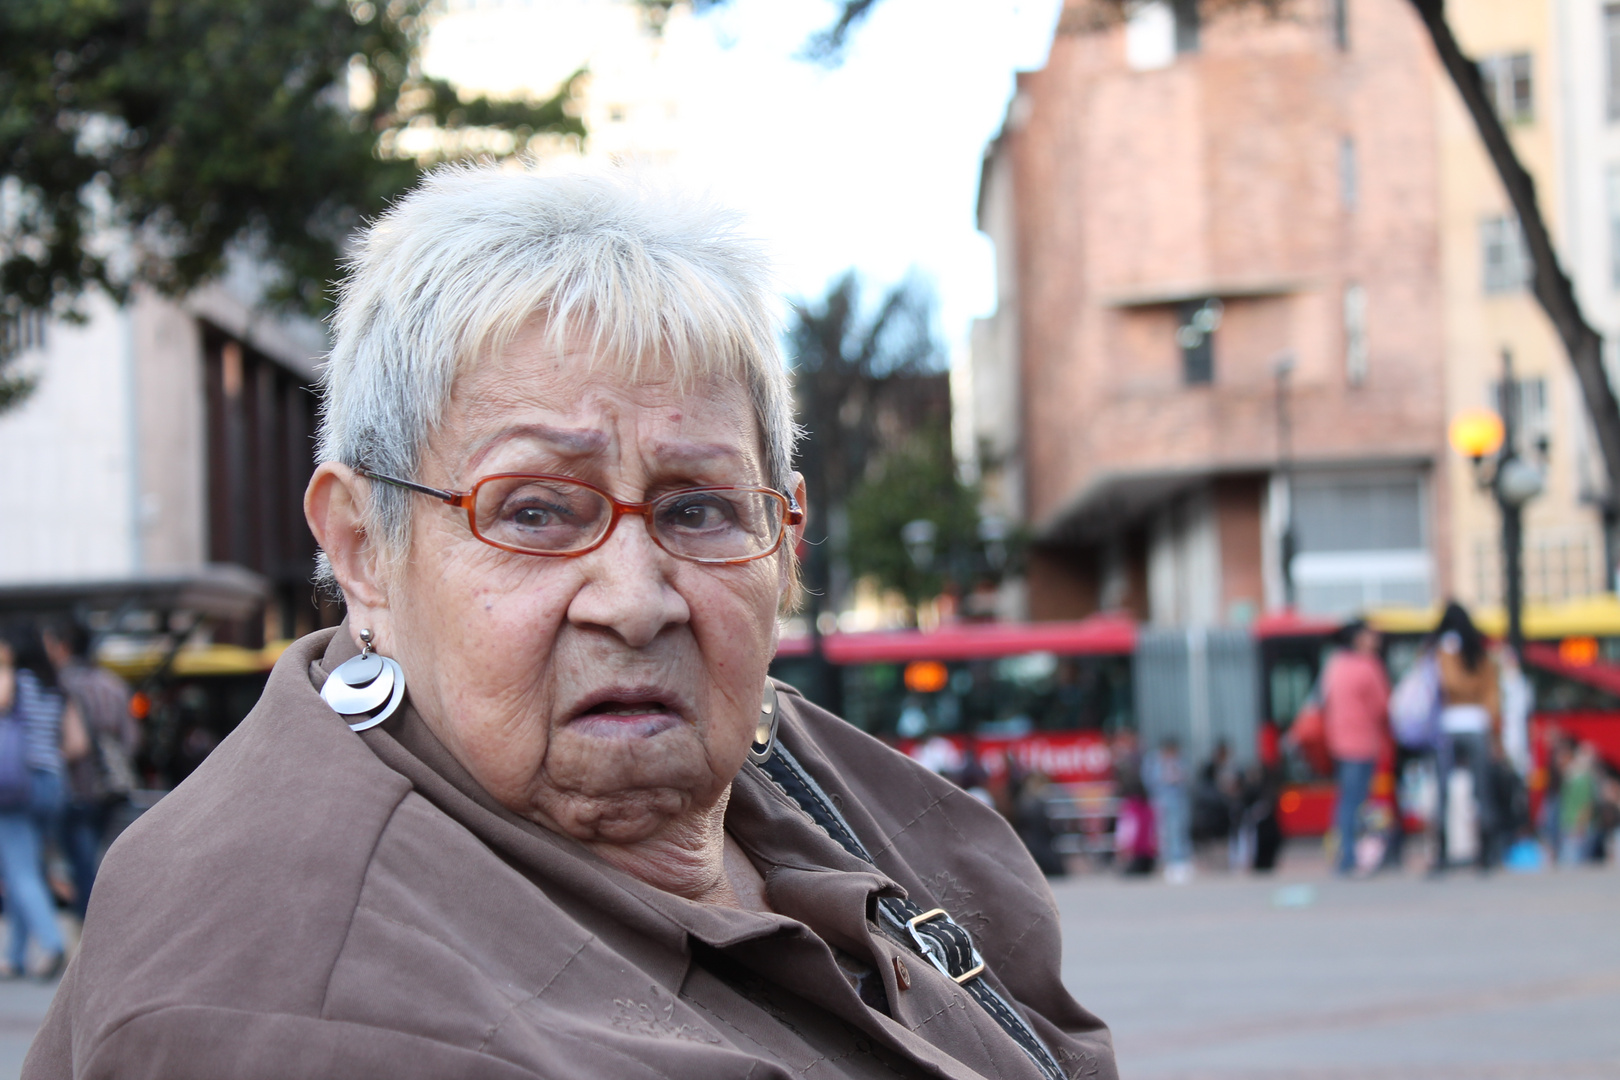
x: 1559, y: 752
x: 1470, y: 723
x: 1136, y: 844
x: 100, y: 777
x: 1577, y: 806
x: 1518, y: 703
x: 1414, y: 719
x: 30, y: 797
x: 1355, y: 717
x: 1165, y: 775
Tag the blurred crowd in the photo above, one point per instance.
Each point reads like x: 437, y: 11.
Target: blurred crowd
x: 1443, y: 763
x: 1454, y: 738
x: 67, y: 741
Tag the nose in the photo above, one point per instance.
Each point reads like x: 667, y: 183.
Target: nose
x: 628, y: 589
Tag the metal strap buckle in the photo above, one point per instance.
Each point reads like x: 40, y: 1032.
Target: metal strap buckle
x: 930, y: 948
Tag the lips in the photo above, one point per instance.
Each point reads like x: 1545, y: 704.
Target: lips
x: 626, y: 712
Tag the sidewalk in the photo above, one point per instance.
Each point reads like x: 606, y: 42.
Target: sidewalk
x: 1306, y: 977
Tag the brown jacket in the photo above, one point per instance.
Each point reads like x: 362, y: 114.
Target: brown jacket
x: 313, y: 903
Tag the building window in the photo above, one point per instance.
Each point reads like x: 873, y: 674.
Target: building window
x: 1355, y: 334
x: 1341, y: 23
x: 1503, y: 253
x: 1158, y: 31
x: 1611, y: 40
x: 1187, y: 25
x: 22, y: 330
x: 1349, y: 190
x: 1532, y: 419
x: 1195, y: 334
x: 1614, y: 225
x: 1359, y: 542
x: 1508, y: 85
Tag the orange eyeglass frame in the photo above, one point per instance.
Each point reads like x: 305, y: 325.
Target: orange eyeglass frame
x: 467, y: 500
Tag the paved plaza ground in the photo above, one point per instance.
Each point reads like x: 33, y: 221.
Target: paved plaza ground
x: 1303, y: 977
x: 1306, y: 977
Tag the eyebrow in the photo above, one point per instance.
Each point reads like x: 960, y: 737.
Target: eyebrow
x: 581, y: 442
x: 572, y: 442
x: 695, y: 453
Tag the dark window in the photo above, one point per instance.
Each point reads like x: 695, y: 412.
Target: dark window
x: 1186, y: 25
x: 1508, y: 85
x: 261, y: 454
x: 1349, y: 188
x: 1614, y: 225
x: 1503, y: 254
x: 1341, y: 23
x: 1611, y: 41
x: 1197, y: 321
x: 1010, y: 696
x: 22, y: 330
x: 1358, y: 515
x: 1531, y: 418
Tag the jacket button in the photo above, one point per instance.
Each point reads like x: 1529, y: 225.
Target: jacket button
x: 901, y: 975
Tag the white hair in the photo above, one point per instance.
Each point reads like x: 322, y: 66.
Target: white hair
x: 660, y: 282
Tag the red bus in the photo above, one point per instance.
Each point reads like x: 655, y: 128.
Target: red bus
x: 1050, y: 696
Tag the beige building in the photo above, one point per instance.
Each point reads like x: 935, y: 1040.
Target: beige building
x: 1547, y: 64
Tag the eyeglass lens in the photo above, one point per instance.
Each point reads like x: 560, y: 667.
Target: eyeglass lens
x: 555, y: 517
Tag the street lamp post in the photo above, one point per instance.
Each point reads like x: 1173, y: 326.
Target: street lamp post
x: 1283, y: 367
x: 1513, y: 481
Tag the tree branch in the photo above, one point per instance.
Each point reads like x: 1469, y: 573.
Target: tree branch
x: 1553, y: 289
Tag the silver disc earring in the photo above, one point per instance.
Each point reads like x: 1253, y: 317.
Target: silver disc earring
x: 368, y: 687
x: 765, y: 732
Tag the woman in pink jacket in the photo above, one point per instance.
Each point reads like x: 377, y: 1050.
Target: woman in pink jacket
x: 1355, y: 712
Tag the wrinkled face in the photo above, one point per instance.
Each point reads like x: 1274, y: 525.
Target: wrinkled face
x: 608, y: 695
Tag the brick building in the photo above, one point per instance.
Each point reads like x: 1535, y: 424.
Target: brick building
x: 1202, y: 229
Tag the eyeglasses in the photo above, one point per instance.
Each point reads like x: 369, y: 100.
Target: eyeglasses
x: 558, y: 516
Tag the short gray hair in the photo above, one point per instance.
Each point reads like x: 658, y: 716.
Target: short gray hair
x: 661, y: 281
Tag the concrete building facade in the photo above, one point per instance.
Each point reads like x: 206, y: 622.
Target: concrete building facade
x: 161, y: 461
x: 1219, y: 253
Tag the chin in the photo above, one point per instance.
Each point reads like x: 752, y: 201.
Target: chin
x: 626, y: 818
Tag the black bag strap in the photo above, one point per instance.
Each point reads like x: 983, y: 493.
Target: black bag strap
x: 931, y: 934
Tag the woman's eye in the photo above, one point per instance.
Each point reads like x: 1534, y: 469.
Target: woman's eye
x: 541, y: 514
x: 697, y: 513
x: 532, y: 517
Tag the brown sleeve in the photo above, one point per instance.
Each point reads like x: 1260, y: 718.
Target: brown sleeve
x: 201, y: 1042
x: 50, y: 1055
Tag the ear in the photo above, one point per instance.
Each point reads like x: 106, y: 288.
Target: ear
x: 796, y: 533
x: 792, y: 585
x: 335, y: 506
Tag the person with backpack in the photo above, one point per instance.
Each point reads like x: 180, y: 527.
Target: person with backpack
x: 1355, y: 717
x: 30, y: 796
x: 99, y: 775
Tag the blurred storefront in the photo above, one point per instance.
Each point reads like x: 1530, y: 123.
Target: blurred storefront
x: 157, y: 472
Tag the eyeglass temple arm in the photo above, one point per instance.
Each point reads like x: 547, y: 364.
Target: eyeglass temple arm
x: 452, y: 497
x: 795, y: 513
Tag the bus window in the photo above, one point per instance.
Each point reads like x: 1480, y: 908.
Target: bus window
x: 1007, y: 697
x: 1290, y: 679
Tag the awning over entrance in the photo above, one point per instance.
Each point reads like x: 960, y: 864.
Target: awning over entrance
x: 215, y: 591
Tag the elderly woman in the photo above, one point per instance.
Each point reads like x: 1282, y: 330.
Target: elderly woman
x: 537, y: 809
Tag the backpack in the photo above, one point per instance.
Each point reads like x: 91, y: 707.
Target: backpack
x: 115, y: 775
x: 16, y: 784
x: 1414, y: 706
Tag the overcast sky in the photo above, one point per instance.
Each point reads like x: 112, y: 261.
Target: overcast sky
x: 874, y: 164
